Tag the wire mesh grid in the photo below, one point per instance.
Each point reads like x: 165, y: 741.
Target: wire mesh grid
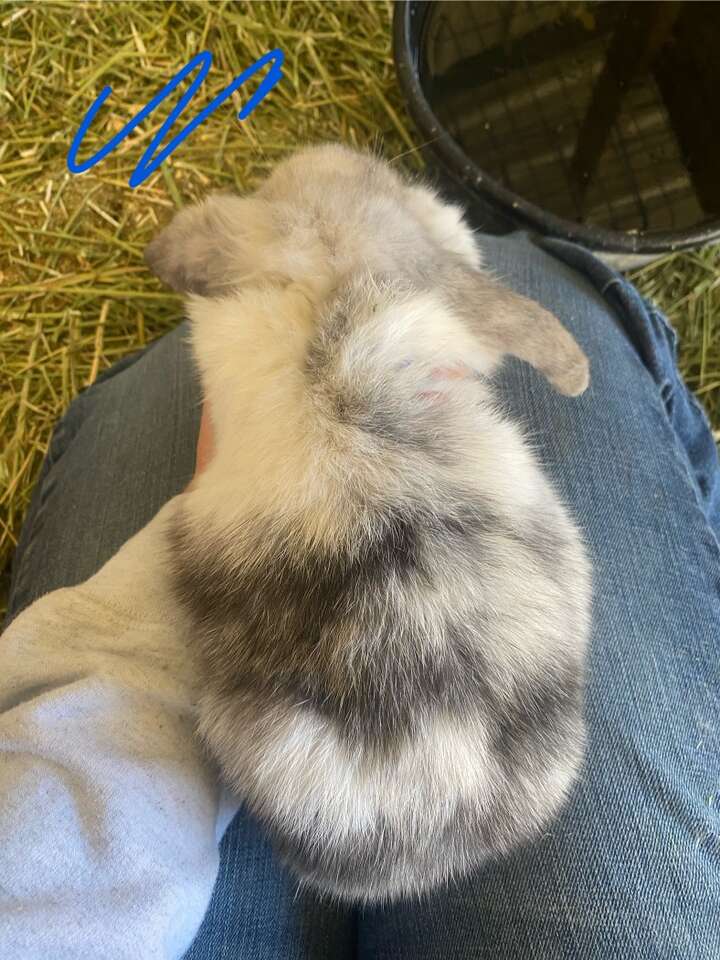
x: 513, y: 84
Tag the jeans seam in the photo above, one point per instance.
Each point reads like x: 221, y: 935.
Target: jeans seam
x: 618, y: 305
x: 680, y: 455
x: 679, y: 451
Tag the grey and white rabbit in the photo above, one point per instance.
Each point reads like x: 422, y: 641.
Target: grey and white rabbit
x: 390, y: 602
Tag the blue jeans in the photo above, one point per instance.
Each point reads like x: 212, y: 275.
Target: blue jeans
x: 632, y: 867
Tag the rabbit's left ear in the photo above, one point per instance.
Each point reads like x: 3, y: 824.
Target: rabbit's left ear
x: 206, y: 249
x: 505, y: 322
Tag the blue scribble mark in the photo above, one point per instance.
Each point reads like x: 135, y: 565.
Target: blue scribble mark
x: 148, y: 163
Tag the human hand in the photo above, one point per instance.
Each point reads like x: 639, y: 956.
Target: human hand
x: 205, y: 443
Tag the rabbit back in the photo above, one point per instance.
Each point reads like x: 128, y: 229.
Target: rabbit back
x: 394, y: 640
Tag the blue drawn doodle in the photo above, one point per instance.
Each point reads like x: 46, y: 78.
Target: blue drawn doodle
x: 148, y: 162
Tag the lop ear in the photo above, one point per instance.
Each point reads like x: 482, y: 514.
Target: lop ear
x: 208, y: 248
x: 505, y: 322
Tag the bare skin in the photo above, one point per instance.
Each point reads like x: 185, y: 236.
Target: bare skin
x: 205, y: 443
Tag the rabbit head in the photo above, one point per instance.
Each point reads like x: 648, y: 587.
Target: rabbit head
x: 328, y: 214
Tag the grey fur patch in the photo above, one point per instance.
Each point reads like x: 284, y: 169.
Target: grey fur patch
x: 273, y: 626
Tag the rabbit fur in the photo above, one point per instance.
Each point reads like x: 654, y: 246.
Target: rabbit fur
x: 389, y: 601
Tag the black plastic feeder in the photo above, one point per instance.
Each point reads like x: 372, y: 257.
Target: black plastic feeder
x: 596, y: 122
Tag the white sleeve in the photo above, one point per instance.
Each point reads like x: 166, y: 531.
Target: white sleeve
x: 108, y: 806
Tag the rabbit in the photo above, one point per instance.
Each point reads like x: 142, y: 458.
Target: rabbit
x: 389, y: 601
